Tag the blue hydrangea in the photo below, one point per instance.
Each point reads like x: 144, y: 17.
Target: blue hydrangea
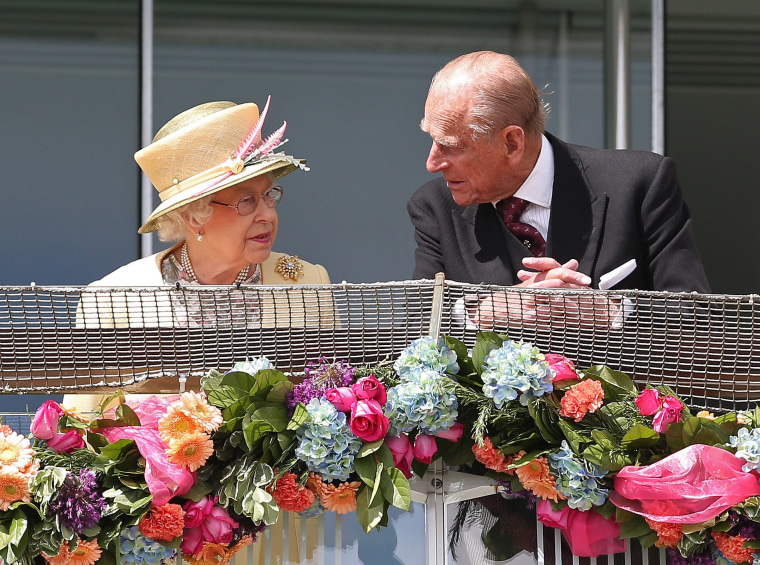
x: 327, y: 445
x: 514, y: 369
x: 136, y: 548
x: 747, y: 446
x: 577, y: 480
x: 421, y: 401
x: 252, y: 366
x: 426, y: 353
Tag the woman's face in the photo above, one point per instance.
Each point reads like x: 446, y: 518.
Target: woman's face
x: 235, y: 240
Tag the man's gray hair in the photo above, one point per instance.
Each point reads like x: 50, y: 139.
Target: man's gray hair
x: 504, y: 93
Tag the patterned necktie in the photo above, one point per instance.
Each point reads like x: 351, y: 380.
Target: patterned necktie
x: 510, y: 209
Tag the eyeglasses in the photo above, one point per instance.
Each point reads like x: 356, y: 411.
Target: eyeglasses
x: 248, y: 203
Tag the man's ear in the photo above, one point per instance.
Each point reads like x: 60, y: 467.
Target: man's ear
x: 513, y: 140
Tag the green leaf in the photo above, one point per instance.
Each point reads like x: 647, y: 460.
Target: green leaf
x: 368, y: 448
x: 300, y: 416
x: 376, y: 485
x: 395, y: 489
x: 674, y: 437
x: 485, y: 342
x: 639, y: 437
x: 125, y: 413
x: 366, y: 468
x: 279, y: 392
x: 616, y: 385
x: 369, y: 512
x: 466, y: 366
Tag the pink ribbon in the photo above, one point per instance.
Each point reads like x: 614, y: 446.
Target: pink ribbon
x: 588, y: 534
x: 690, y: 486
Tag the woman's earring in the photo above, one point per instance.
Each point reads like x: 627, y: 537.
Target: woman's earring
x: 199, y: 237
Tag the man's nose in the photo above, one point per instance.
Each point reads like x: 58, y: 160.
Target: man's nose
x: 435, y: 161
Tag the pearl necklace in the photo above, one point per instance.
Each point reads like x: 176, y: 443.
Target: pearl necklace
x: 184, y: 260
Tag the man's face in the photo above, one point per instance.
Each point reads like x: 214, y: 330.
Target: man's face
x: 476, y: 171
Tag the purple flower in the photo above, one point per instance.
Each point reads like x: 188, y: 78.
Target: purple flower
x: 319, y: 379
x: 78, y: 503
x: 675, y: 558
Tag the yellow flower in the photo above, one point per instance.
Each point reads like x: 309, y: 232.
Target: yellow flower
x: 706, y: 415
x: 15, y: 451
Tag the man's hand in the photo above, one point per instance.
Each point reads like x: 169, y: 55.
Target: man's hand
x: 501, y: 310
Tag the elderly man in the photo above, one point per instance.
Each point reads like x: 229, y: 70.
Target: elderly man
x: 517, y: 206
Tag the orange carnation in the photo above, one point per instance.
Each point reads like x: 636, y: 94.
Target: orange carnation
x: 731, y: 547
x: 492, y: 458
x: 587, y: 396
x: 289, y: 495
x: 163, y: 523
x: 668, y: 535
x: 341, y: 498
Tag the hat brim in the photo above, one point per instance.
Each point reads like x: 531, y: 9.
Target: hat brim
x: 279, y: 164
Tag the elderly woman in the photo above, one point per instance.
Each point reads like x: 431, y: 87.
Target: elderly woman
x: 217, y: 181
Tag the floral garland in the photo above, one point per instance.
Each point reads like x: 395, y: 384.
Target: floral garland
x: 202, y: 474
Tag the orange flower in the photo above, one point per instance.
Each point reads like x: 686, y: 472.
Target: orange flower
x: 731, y: 547
x: 196, y: 406
x: 209, y: 554
x: 587, y: 396
x: 163, y: 523
x: 176, y: 425
x: 706, y: 415
x: 668, y: 535
x: 86, y: 553
x: 244, y: 541
x: 192, y: 451
x: 315, y: 484
x: 493, y: 458
x: 536, y: 477
x: 62, y: 558
x: 341, y: 498
x: 15, y: 451
x: 5, y: 430
x: 14, y: 486
x: 289, y: 495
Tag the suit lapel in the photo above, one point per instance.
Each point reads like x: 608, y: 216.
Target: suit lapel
x: 577, y: 214
x: 488, y: 249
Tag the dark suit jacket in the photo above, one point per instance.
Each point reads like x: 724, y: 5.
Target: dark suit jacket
x: 607, y: 207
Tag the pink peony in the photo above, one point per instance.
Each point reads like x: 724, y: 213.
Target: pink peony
x: 648, y: 402
x: 454, y: 433
x: 204, y: 521
x: 218, y: 526
x: 424, y: 448
x: 192, y: 540
x: 195, y: 512
x: 563, y: 368
x: 369, y: 388
x: 45, y: 423
x: 368, y: 421
x: 66, y: 443
x: 342, y: 398
x: 401, y: 448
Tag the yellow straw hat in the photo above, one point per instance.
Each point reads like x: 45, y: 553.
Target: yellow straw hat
x: 209, y: 148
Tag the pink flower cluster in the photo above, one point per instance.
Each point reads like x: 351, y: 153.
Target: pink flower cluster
x: 364, y: 401
x: 45, y: 427
x: 665, y: 409
x: 206, y: 522
x: 564, y: 368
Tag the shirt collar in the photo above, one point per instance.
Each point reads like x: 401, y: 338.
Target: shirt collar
x: 537, y: 188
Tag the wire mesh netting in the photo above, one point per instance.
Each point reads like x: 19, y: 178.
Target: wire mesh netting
x: 58, y: 339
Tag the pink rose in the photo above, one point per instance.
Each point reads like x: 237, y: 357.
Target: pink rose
x: 369, y: 388
x: 342, y: 398
x: 424, y: 448
x: 670, y: 413
x: 45, y: 423
x: 196, y: 512
x: 454, y: 433
x: 66, y: 443
x: 563, y: 368
x: 401, y: 449
x: 192, y: 540
x: 648, y: 402
x: 368, y: 421
x: 218, y: 526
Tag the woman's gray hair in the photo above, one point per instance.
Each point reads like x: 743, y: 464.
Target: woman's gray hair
x: 171, y: 226
x: 504, y: 93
